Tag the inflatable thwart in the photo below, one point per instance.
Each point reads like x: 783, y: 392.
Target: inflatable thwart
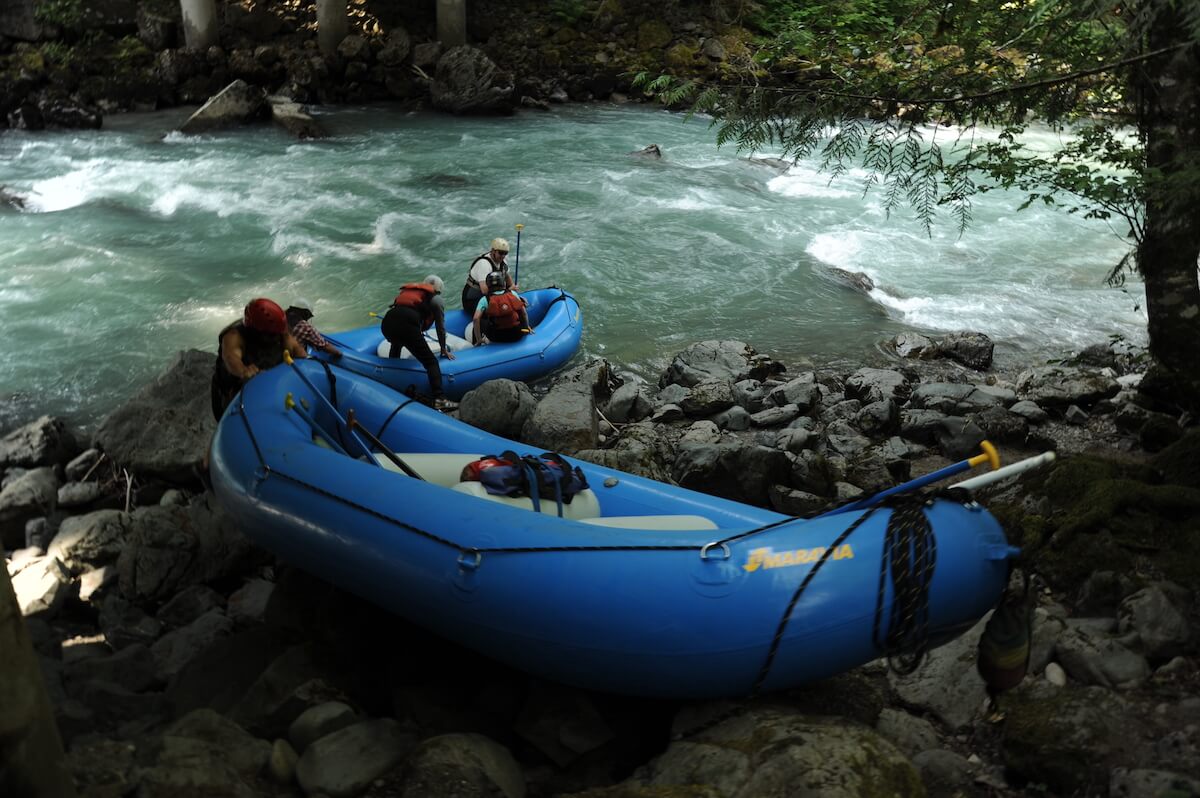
x: 609, y: 581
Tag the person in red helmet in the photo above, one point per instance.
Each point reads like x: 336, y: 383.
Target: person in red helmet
x: 246, y: 347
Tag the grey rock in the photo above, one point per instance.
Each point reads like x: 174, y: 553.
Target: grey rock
x: 43, y: 442
x: 708, y: 397
x: 947, y: 684
x: 468, y: 82
x: 1163, y: 629
x: 344, y: 763
x: 472, y: 762
x: 1095, y: 659
x: 164, y: 430
x: 316, y: 722
x: 1145, y: 783
x: 628, y: 403
x: 734, y: 419
x: 729, y: 361
x: 907, y: 732
x: 79, y: 494
x: 499, y: 406
x: 236, y: 104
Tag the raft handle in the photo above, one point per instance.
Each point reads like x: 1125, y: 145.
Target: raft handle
x: 724, y: 548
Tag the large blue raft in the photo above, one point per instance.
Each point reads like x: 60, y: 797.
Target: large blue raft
x: 640, y: 588
x: 558, y: 328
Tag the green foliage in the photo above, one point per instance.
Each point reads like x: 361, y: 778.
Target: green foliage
x: 568, y: 12
x: 65, y: 13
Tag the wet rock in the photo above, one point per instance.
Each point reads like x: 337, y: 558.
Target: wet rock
x: 972, y: 349
x: 907, y: 732
x: 468, y: 82
x: 236, y: 104
x: 205, y: 754
x: 709, y: 361
x: 707, y: 398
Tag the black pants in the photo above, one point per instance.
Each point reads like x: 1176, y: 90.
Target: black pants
x: 402, y: 327
x: 470, y: 298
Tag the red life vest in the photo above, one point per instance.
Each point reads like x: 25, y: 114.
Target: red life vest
x: 418, y: 296
x: 504, y: 310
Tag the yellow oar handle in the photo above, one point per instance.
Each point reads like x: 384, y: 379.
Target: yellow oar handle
x: 988, y: 455
x: 288, y: 401
x: 520, y: 227
x: 372, y: 314
x: 287, y: 357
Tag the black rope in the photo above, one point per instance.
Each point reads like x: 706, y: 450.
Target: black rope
x: 388, y: 420
x: 909, y: 557
x: 765, y: 670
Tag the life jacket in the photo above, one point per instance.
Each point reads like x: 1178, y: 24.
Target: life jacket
x: 504, y: 310
x: 510, y: 474
x: 472, y: 282
x: 263, y: 350
x: 418, y: 296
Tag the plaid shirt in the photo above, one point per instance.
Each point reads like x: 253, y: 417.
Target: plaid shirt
x: 306, y: 334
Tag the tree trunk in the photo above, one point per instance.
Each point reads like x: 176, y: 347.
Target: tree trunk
x: 1169, y: 121
x: 199, y: 23
x: 30, y: 749
x: 332, y: 24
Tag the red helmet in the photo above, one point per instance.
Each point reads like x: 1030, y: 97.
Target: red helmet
x: 263, y: 315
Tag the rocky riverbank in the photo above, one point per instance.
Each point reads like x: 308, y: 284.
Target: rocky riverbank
x: 68, y: 64
x: 181, y: 659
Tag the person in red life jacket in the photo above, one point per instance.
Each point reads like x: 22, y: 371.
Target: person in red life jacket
x: 489, y: 262
x: 246, y: 347
x: 500, y: 316
x: 299, y: 314
x: 416, y: 308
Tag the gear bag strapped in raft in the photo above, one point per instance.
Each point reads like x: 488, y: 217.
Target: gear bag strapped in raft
x: 510, y: 474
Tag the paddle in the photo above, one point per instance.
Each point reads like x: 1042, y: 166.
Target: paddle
x: 291, y: 404
x: 378, y: 444
x: 517, y: 265
x: 975, y: 483
x: 988, y: 455
x: 287, y: 358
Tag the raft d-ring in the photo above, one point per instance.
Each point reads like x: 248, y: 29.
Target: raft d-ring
x: 724, y: 547
x: 472, y: 564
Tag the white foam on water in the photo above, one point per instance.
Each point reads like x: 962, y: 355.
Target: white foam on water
x: 802, y: 181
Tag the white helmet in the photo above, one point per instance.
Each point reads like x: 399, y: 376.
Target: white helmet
x: 437, y: 282
x: 500, y: 244
x: 299, y: 303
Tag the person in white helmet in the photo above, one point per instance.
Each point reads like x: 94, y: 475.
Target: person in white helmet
x: 298, y: 315
x: 491, y: 261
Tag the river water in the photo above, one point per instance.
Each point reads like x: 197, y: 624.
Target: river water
x: 135, y: 242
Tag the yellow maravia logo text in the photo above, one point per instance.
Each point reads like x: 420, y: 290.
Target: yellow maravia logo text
x: 768, y: 558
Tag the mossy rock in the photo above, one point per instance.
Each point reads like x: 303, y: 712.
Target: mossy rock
x: 682, y: 56
x: 1067, y: 739
x: 1179, y: 463
x: 653, y: 35
x: 1108, y: 515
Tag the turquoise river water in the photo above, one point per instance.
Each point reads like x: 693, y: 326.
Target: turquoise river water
x: 135, y: 242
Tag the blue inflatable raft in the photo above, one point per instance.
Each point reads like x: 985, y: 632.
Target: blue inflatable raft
x: 634, y: 586
x: 558, y: 328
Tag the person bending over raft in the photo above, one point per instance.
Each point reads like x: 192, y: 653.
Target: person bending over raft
x: 500, y: 316
x: 415, y: 309
x: 246, y: 347
x: 490, y: 262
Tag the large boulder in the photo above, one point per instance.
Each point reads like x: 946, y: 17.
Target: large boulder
x: 165, y: 429
x: 729, y: 361
x: 468, y: 82
x: 46, y: 441
x: 236, y: 104
x: 498, y: 406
